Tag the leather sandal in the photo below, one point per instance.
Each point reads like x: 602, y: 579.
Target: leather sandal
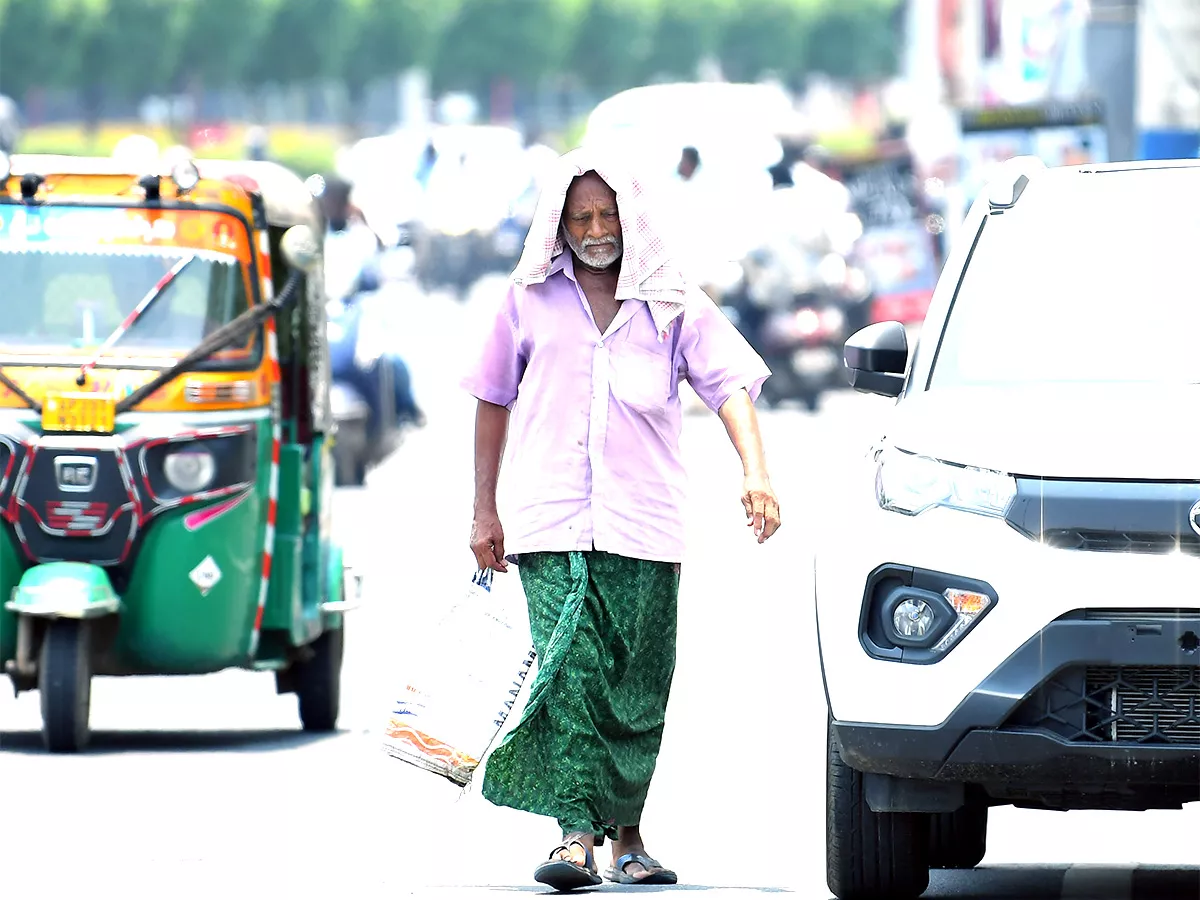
x: 655, y: 873
x: 564, y: 875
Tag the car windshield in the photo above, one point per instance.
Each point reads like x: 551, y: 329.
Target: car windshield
x: 1096, y: 286
x: 65, y: 297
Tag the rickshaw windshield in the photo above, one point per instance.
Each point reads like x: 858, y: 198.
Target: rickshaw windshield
x: 73, y: 298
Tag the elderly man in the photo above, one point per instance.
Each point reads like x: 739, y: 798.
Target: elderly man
x: 579, y: 377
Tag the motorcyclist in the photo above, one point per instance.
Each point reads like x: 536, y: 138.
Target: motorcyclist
x: 354, y: 251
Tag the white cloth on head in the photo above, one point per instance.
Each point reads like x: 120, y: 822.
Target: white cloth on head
x: 647, y: 273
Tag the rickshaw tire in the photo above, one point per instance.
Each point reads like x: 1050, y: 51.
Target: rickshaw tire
x: 65, y: 686
x: 319, y: 682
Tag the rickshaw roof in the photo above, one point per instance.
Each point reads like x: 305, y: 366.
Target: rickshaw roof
x: 286, y: 198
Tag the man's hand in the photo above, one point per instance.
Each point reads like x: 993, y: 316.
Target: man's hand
x: 761, y: 505
x: 487, y: 542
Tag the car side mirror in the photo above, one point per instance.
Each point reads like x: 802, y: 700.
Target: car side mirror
x: 876, y: 357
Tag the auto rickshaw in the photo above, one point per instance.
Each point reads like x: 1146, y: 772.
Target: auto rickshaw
x: 166, y: 480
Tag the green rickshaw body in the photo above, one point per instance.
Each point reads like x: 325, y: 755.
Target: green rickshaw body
x: 169, y: 515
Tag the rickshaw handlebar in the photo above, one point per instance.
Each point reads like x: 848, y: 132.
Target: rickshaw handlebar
x: 220, y: 338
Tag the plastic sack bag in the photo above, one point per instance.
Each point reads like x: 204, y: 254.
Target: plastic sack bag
x: 460, y: 682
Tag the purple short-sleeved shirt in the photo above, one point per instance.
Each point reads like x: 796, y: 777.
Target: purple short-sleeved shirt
x: 592, y: 458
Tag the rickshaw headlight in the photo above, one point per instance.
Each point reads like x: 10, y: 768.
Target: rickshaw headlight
x: 190, y: 471
x: 186, y: 175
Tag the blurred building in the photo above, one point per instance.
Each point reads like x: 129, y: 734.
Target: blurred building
x: 1139, y: 58
x: 1168, y: 78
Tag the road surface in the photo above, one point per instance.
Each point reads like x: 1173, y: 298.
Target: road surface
x: 206, y: 787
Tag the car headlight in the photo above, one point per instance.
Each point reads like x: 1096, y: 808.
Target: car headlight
x: 910, y: 484
x: 190, y: 471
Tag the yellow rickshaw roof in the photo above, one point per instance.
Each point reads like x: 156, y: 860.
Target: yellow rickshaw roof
x: 286, y: 199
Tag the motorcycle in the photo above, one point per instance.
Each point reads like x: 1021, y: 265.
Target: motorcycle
x: 371, y: 391
x: 797, y: 313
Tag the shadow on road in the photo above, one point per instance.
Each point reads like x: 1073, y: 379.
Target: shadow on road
x: 238, y: 741
x: 984, y: 883
x: 634, y: 889
x: 1067, y: 883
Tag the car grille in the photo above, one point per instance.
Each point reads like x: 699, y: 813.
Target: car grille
x: 1152, y: 517
x: 1116, y: 705
x: 1121, y: 541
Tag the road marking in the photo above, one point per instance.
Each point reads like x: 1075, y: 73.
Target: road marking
x: 1098, y: 882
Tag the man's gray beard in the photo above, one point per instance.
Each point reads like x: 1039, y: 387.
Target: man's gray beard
x: 602, y: 262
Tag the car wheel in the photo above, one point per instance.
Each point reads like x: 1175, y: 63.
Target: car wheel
x: 870, y: 855
x: 958, y: 840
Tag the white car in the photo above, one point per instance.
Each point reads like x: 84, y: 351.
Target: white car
x: 1008, y: 595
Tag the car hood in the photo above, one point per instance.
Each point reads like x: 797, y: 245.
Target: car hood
x: 1144, y: 431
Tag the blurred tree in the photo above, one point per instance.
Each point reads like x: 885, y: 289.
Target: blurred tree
x: 384, y: 37
x: 300, y: 44
x: 686, y: 32
x: 854, y: 40
x: 91, y: 43
x: 760, y: 36
x: 133, y: 46
x: 614, y: 44
x: 137, y: 47
x: 219, y: 39
x: 30, y: 30
x: 514, y: 40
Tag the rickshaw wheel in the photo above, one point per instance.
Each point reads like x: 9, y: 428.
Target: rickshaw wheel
x: 319, y: 682
x: 65, y: 686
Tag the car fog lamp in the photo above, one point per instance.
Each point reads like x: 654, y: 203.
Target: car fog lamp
x: 190, y: 471
x: 969, y: 605
x: 185, y: 175
x: 913, y: 619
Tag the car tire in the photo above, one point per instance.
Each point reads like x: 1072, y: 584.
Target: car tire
x: 958, y: 840
x: 870, y: 855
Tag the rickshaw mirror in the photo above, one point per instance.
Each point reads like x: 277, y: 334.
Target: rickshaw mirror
x: 300, y: 248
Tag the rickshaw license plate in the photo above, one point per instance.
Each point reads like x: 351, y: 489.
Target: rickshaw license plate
x: 95, y: 413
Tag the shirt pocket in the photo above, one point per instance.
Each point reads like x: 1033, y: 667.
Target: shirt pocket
x: 640, y: 378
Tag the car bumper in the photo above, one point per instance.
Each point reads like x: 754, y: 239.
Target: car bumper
x: 1025, y: 723
x: 1034, y: 585
x: 1084, y: 676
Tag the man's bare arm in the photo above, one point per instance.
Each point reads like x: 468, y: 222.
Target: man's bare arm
x: 741, y: 424
x: 491, y: 432
x: 487, y: 535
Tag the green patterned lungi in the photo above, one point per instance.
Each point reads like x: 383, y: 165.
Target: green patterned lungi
x: 586, y: 746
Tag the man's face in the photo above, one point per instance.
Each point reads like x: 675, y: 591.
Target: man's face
x: 591, y: 224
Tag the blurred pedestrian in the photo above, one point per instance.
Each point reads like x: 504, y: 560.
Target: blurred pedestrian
x: 578, y: 389
x: 425, y: 165
x: 258, y: 143
x: 689, y: 163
